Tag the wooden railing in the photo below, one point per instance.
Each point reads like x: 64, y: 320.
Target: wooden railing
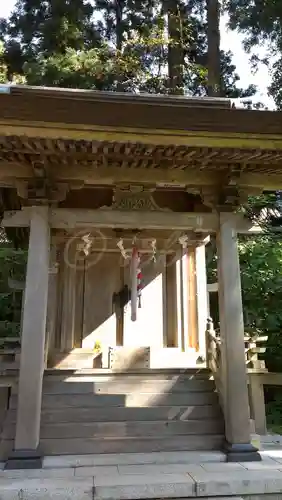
x: 252, y: 351
x: 213, y: 347
x: 213, y: 359
x: 258, y: 375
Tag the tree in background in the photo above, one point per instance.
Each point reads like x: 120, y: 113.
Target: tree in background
x: 168, y: 46
x: 260, y: 22
x: 125, y: 45
x: 214, y: 67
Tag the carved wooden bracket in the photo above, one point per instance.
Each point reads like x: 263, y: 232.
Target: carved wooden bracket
x: 226, y: 197
x: 39, y: 191
x: 134, y: 197
x: 226, y: 194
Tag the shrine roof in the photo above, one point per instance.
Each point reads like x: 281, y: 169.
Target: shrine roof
x: 107, y: 137
x: 145, y: 111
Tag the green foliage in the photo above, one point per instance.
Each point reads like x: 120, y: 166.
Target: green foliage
x: 12, y: 266
x: 124, y: 45
x: 4, y: 69
x: 273, y: 408
x: 260, y: 21
x: 97, y: 346
x: 261, y: 263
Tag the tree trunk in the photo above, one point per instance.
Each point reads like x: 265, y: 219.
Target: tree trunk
x: 175, y: 46
x: 214, y: 70
x: 119, y: 36
x: 119, y: 28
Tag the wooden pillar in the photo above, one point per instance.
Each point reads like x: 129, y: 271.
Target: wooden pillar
x: 79, y: 300
x: 202, y: 297
x: 192, y: 298
x: 170, y: 288
x: 52, y: 303
x: 26, y: 453
x: 234, y: 375
x: 60, y: 290
x: 69, y: 294
x: 182, y: 300
x: 120, y: 314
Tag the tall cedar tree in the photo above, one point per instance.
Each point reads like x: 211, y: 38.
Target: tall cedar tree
x: 214, y: 69
x: 128, y: 45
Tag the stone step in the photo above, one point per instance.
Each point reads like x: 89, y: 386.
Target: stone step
x: 123, y: 386
x: 125, y: 400
x: 123, y: 429
x: 123, y: 488
x: 121, y: 414
x: 165, y: 458
x: 47, y: 489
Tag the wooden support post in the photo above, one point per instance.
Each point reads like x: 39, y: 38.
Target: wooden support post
x: 26, y: 453
x: 60, y: 289
x: 257, y: 403
x: 52, y: 303
x: 202, y: 298
x: 79, y: 300
x: 120, y: 318
x: 234, y: 376
x: 69, y: 295
x: 192, y: 298
x: 171, y: 302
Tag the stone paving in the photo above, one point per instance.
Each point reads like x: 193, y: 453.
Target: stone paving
x: 153, y: 475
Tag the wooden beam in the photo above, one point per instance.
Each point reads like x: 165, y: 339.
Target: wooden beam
x: 111, y: 175
x: 91, y: 175
x: 173, y: 176
x: 145, y: 136
x: 10, y: 171
x: 74, y: 218
x: 64, y: 218
x: 243, y: 225
x: 16, y: 218
x: 265, y: 181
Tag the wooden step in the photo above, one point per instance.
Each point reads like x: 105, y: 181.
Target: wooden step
x: 124, y: 386
x: 85, y: 446
x: 77, y: 359
x: 126, y: 400
x: 122, y: 414
x: 123, y: 429
x: 159, y: 373
x: 130, y: 445
x: 101, y: 412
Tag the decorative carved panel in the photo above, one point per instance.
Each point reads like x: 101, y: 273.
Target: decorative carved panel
x: 134, y: 197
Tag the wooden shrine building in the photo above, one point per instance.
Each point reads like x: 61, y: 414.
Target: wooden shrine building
x: 86, y: 176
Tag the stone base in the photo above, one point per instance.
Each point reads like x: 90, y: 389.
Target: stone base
x: 241, y: 453
x: 24, y: 459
